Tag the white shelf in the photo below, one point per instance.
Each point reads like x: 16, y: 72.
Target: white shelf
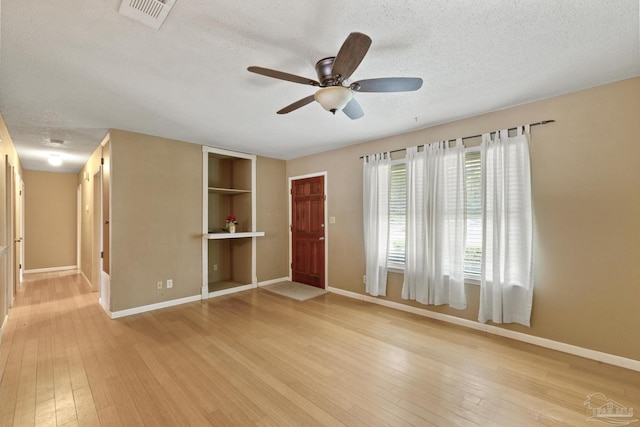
x: 227, y: 191
x: 217, y: 236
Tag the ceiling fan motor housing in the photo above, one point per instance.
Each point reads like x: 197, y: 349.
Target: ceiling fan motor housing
x: 324, y: 69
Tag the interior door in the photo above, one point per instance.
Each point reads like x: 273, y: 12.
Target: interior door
x: 308, y: 231
x: 97, y: 231
x: 106, y: 188
x: 19, y: 233
x: 11, y: 235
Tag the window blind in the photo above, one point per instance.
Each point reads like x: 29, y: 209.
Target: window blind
x: 473, y: 181
x: 397, y: 214
x: 398, y: 206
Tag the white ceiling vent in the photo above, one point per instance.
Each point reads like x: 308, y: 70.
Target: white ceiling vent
x: 150, y: 12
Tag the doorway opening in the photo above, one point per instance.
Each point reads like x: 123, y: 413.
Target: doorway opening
x: 101, y: 228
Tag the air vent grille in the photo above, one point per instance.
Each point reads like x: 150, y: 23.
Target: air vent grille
x: 150, y: 7
x: 149, y: 12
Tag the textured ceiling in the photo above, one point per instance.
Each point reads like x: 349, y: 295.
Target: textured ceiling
x: 72, y: 69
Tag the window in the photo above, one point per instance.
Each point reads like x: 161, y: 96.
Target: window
x: 473, y: 189
x: 398, y: 206
x: 397, y: 214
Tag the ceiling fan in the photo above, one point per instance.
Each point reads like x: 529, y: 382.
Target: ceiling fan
x: 333, y: 72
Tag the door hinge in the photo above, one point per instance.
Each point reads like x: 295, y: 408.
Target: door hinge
x: 102, y: 160
x: 324, y: 197
x: 291, y: 191
x: 101, y: 254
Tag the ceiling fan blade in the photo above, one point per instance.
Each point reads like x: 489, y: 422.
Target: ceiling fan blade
x: 283, y: 76
x: 299, y: 103
x: 353, y: 110
x: 388, y: 84
x: 351, y: 53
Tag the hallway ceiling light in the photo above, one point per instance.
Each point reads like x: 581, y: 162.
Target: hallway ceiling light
x: 55, y: 159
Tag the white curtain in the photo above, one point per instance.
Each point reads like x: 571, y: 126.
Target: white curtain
x: 375, y: 182
x: 435, y: 239
x: 506, y: 287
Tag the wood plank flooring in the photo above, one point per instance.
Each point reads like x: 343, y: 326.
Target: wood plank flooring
x: 259, y: 359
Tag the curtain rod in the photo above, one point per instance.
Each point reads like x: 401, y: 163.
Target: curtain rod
x: 543, y: 122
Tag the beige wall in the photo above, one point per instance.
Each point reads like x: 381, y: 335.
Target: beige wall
x: 156, y: 222
x: 272, y: 218
x: 586, y: 205
x: 7, y: 153
x: 50, y: 219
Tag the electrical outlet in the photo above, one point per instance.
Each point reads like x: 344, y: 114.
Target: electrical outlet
x: 169, y: 283
x: 364, y: 279
x: 215, y: 267
x: 159, y: 284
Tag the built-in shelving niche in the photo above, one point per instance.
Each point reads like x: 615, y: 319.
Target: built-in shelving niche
x: 229, y: 184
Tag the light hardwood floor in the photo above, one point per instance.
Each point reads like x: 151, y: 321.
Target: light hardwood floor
x: 256, y: 358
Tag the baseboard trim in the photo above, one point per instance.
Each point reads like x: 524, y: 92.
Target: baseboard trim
x: 598, y: 356
x: 272, y: 281
x: 151, y: 307
x: 231, y: 290
x: 2, y: 327
x: 51, y: 269
x: 104, y: 308
x: 86, y: 280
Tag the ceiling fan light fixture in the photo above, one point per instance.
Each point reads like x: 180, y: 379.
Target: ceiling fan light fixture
x: 333, y: 98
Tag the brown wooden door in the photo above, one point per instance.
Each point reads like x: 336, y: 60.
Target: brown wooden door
x: 307, y: 229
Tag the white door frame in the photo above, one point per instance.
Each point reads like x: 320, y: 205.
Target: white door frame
x: 79, y: 229
x: 326, y: 222
x: 103, y: 285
